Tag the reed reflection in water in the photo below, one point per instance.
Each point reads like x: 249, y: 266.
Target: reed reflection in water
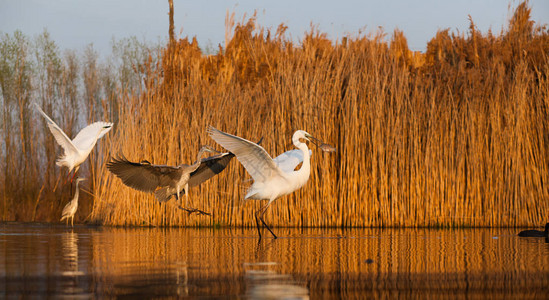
x: 302, y: 263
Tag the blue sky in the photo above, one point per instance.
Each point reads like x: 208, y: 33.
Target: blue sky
x: 73, y: 24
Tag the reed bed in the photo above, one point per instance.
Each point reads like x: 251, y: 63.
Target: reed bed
x: 455, y: 136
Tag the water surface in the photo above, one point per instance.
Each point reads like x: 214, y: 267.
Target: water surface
x: 91, y: 262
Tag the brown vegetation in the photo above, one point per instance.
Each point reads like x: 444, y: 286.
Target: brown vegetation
x: 457, y: 136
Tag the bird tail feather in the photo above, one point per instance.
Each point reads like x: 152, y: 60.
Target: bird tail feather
x: 62, y: 161
x: 163, y: 194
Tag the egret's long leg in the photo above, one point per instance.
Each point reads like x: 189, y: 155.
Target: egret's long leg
x: 68, y: 176
x: 263, y: 221
x: 257, y: 223
x: 73, y: 175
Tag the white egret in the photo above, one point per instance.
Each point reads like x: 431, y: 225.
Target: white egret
x: 273, y: 178
x: 70, y: 209
x: 167, y: 181
x: 78, y: 149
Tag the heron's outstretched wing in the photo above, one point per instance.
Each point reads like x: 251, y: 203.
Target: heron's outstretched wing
x: 87, y: 137
x: 253, y: 157
x: 288, y: 160
x: 60, y: 136
x: 143, y: 176
x: 209, y: 167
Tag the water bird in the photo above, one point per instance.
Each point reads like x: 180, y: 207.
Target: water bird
x: 273, y: 178
x: 167, y: 181
x: 70, y: 209
x: 79, y: 148
x: 535, y: 233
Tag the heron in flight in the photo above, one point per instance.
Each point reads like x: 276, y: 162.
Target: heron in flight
x: 70, y: 209
x: 273, y: 178
x: 167, y: 181
x: 79, y: 148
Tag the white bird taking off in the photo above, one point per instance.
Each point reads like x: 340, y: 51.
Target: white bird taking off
x: 78, y: 149
x: 272, y: 178
x: 70, y: 209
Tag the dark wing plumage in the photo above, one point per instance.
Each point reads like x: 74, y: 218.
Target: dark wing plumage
x: 143, y: 176
x: 209, y: 167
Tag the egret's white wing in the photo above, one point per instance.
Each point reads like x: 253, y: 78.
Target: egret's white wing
x: 87, y: 137
x: 253, y: 157
x: 60, y: 136
x: 288, y: 160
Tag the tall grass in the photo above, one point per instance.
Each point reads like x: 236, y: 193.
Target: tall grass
x: 453, y: 137
x: 457, y: 136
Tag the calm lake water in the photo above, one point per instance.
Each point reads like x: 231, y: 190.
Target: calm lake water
x: 90, y: 262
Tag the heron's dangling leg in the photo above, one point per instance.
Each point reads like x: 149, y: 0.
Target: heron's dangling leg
x: 186, y: 189
x: 190, y: 210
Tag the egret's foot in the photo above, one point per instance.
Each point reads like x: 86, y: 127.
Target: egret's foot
x: 194, y: 210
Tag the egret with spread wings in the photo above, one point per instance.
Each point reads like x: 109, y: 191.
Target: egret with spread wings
x: 167, y: 181
x: 273, y: 178
x: 79, y: 148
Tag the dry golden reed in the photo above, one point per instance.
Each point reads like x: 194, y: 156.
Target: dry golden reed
x: 457, y: 136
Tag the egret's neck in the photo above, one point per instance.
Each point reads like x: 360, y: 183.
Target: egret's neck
x: 77, y: 191
x: 306, y: 166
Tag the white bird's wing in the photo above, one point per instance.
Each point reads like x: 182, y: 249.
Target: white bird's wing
x: 288, y: 160
x: 87, y: 137
x: 60, y: 136
x: 253, y: 157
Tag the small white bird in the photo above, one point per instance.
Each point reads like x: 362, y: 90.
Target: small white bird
x: 273, y: 178
x: 78, y: 149
x: 70, y: 209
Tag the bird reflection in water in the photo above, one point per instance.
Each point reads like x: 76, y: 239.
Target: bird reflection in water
x: 264, y: 283
x: 70, y: 254
x: 182, y: 279
x: 69, y: 270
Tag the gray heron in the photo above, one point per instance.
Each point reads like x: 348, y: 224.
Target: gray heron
x: 167, y: 181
